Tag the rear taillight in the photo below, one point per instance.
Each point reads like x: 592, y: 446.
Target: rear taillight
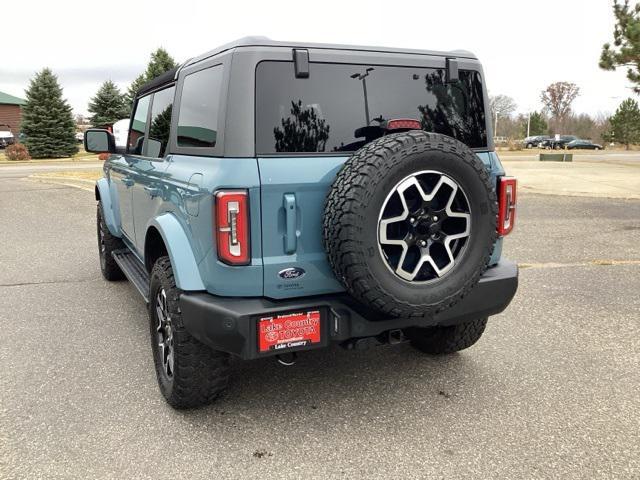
x: 232, y: 226
x: 506, y: 204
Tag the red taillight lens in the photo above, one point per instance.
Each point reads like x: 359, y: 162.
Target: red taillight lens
x: 506, y: 204
x: 232, y: 226
x: 403, y: 124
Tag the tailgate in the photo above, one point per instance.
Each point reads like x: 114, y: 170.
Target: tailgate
x: 293, y: 192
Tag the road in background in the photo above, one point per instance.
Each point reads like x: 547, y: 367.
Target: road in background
x: 8, y: 170
x: 613, y: 156
x: 550, y: 391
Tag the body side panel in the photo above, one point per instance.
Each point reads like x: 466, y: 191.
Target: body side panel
x: 188, y: 188
x: 108, y: 200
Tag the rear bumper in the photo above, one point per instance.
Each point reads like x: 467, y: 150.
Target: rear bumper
x: 229, y: 324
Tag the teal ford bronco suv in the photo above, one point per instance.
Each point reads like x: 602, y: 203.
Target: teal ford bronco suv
x: 278, y: 197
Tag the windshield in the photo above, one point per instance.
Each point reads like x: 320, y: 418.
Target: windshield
x: 341, y: 107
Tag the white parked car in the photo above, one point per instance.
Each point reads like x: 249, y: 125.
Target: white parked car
x: 6, y: 137
x: 121, y: 132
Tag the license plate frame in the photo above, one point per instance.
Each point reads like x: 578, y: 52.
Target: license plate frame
x: 290, y: 331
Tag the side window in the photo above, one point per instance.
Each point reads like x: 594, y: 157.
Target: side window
x: 160, y: 123
x: 138, y: 126
x: 199, y: 107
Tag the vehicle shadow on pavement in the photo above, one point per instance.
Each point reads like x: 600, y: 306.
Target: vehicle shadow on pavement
x: 359, y: 384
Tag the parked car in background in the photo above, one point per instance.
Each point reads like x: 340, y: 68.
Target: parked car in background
x: 79, y: 137
x: 580, y: 144
x: 557, y: 143
x: 121, y: 132
x: 535, y: 140
x: 6, y: 137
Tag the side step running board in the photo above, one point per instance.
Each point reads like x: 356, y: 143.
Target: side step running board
x: 134, y: 270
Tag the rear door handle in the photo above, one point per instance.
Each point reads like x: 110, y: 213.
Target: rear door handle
x: 153, y: 191
x: 290, y: 215
x: 128, y: 181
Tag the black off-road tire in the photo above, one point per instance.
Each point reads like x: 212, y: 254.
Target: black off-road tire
x: 200, y: 373
x: 444, y: 340
x: 354, y: 202
x: 108, y: 266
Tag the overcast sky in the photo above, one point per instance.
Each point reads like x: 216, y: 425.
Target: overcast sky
x: 523, y: 45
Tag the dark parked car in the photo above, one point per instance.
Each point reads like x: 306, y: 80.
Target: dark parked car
x: 557, y: 144
x: 535, y: 140
x: 583, y: 145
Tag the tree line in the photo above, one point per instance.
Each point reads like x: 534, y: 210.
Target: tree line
x: 49, y: 128
x: 557, y: 117
x: 48, y: 125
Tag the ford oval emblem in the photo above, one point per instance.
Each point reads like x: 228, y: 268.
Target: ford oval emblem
x: 291, y: 273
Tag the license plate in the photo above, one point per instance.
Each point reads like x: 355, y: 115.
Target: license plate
x: 289, y: 330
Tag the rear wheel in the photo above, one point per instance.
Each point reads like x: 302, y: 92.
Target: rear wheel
x: 107, y: 244
x: 190, y: 374
x: 443, y: 340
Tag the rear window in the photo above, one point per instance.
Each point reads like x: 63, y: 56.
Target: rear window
x: 341, y: 107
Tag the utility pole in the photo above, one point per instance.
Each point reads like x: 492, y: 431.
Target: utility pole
x: 529, y: 124
x: 363, y: 77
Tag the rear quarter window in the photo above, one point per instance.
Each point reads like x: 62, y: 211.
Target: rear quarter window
x: 341, y: 107
x: 199, y: 108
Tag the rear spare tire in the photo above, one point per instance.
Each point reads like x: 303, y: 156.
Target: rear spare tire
x: 410, y: 222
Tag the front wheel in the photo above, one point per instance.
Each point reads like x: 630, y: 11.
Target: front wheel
x: 443, y: 340
x: 190, y: 374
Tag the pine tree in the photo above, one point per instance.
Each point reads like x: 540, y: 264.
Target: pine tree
x: 108, y: 106
x: 47, y: 119
x: 625, y: 123
x: 160, y: 62
x: 625, y: 51
x: 133, y: 90
x: 537, y: 124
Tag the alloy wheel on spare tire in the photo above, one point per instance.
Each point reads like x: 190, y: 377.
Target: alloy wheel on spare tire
x: 410, y: 223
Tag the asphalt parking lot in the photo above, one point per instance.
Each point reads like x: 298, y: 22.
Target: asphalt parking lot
x: 550, y: 391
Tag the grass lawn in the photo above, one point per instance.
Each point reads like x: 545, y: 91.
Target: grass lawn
x: 81, y: 155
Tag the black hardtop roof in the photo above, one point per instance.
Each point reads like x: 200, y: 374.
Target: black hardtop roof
x: 257, y: 41
x: 167, y: 77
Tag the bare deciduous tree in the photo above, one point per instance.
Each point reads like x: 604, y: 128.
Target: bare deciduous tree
x: 501, y: 106
x: 557, y: 100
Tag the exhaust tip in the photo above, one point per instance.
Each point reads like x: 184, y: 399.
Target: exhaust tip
x: 287, y: 359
